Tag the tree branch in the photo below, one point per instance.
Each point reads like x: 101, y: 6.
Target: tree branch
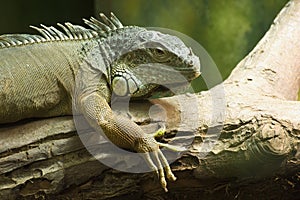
x: 273, y: 65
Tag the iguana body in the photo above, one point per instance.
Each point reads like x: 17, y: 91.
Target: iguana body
x: 36, y: 80
x: 42, y: 76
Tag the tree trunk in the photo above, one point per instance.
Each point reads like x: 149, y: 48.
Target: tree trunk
x: 244, y: 138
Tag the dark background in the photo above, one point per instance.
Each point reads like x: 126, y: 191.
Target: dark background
x: 228, y: 30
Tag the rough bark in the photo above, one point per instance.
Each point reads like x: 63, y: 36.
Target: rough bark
x: 244, y: 146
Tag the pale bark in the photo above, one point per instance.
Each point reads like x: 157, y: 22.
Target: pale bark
x: 245, y: 145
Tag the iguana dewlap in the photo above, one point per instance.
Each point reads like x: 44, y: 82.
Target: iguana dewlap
x: 43, y: 75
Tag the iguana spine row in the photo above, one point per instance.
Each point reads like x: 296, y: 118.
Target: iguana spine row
x: 70, y: 32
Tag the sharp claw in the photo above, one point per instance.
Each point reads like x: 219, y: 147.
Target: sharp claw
x: 159, y: 164
x: 169, y: 172
x: 162, y: 178
x: 163, y: 183
x: 166, y: 189
x: 171, y: 176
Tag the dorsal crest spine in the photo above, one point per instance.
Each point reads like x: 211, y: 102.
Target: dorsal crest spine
x: 68, y: 32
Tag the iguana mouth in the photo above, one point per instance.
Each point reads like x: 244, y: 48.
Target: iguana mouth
x: 170, y: 89
x: 190, y: 73
x: 192, y: 68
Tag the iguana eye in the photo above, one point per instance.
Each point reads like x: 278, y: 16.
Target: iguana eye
x: 160, y: 55
x: 160, y: 52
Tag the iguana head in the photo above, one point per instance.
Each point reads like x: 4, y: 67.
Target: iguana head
x: 154, y: 59
x: 141, y: 59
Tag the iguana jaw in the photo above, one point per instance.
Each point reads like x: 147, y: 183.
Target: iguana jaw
x: 192, y: 69
x: 145, y: 79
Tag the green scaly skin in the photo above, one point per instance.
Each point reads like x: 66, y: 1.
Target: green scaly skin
x: 77, y: 69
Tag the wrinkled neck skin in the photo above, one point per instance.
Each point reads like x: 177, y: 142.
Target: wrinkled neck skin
x: 93, y: 74
x: 97, y: 56
x: 103, y: 52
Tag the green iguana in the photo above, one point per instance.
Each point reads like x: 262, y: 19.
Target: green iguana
x: 39, y: 75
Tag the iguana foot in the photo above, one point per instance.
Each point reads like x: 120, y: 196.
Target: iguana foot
x: 160, y: 165
x: 156, y: 159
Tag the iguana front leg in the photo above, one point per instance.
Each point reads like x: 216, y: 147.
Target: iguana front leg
x: 125, y: 134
